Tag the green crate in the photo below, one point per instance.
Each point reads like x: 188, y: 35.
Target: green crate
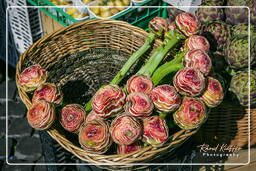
x: 136, y: 15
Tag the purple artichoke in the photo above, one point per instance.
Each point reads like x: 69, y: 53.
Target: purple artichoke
x: 189, y: 82
x: 139, y: 105
x: 165, y: 98
x: 108, y: 101
x: 191, y: 114
x: 213, y: 95
x: 139, y: 83
x: 156, y: 131
x: 125, y: 129
x: 32, y: 77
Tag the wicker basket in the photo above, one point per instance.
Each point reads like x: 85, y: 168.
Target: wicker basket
x: 228, y: 124
x: 85, y: 56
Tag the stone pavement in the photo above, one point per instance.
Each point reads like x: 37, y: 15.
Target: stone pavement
x: 23, y: 141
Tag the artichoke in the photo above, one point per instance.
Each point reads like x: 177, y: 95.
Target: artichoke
x: 108, y: 101
x: 217, y: 2
x: 165, y: 98
x: 48, y: 92
x: 199, y: 60
x: 124, y: 149
x: 239, y: 86
x: 139, y: 83
x: 191, y: 114
x: 156, y: 131
x: 187, y: 23
x: 206, y: 15
x: 92, y: 116
x: 242, y: 29
x: 125, y: 129
x: 32, y: 77
x: 213, y: 95
x: 158, y: 26
x: 237, y: 52
x: 41, y: 115
x: 139, y: 105
x: 196, y: 42
x: 94, y: 136
x: 72, y: 116
x: 189, y: 82
x: 218, y: 34
x: 236, y: 16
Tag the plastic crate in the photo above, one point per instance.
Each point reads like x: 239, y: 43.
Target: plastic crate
x: 136, y: 15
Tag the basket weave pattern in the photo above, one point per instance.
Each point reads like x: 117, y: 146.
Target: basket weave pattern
x: 55, y: 52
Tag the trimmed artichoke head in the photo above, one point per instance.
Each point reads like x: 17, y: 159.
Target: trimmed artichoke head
x: 239, y: 86
x: 206, y: 15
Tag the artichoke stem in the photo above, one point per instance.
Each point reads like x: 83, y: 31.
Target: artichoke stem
x: 157, y: 56
x: 169, y: 67
x: 135, y: 56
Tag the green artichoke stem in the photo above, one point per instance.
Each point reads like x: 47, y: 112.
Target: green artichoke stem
x: 171, y: 66
x: 135, y: 56
x: 171, y: 39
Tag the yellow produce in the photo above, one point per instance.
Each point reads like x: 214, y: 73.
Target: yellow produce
x: 114, y: 11
x: 86, y: 1
x: 105, y: 14
x: 119, y: 5
x: 71, y: 10
x: 95, y: 10
x: 110, y: 3
x: 126, y: 2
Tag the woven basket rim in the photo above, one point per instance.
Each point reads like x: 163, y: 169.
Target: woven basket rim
x: 177, y: 138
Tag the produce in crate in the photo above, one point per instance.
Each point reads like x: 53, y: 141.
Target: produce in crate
x: 191, y: 114
x: 237, y: 52
x: 48, y: 92
x: 213, y: 95
x: 76, y: 13
x: 32, y: 77
x: 108, y: 101
x: 41, y: 115
x: 165, y: 98
x: 189, y: 82
x: 236, y: 16
x: 94, y: 136
x: 139, y: 105
x: 62, y: 2
x: 208, y: 14
x: 156, y: 131
x: 72, y: 117
x: 239, y: 85
x: 125, y: 129
x: 125, y: 149
x: 107, y: 9
x: 217, y: 33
